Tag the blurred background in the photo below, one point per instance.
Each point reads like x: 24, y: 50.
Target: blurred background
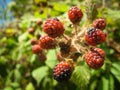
x: 20, y: 69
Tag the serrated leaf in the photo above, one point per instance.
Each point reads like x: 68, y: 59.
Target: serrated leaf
x: 81, y: 76
x: 30, y: 87
x: 40, y: 73
x: 51, y: 58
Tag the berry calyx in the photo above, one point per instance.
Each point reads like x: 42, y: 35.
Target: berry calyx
x: 54, y: 28
x: 47, y: 42
x: 95, y: 36
x: 99, y: 23
x: 36, y: 49
x: 62, y: 71
x: 75, y: 14
x: 95, y: 58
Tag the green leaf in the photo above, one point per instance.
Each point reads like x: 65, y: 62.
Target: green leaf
x: 80, y: 77
x: 111, y: 82
x: 51, y: 58
x: 103, y: 84
x: 30, y: 87
x: 114, y: 14
x: 17, y: 75
x: 8, y: 88
x: 62, y: 7
x: 106, y: 82
x: 15, y: 84
x: 116, y: 71
x: 23, y: 37
x: 40, y: 73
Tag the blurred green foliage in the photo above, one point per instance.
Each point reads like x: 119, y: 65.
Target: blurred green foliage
x: 20, y: 69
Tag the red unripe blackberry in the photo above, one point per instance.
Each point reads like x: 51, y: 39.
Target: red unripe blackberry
x: 95, y: 58
x: 99, y: 23
x: 31, y: 30
x: 62, y: 71
x: 54, y: 28
x: 36, y: 49
x: 42, y: 57
x: 95, y: 36
x: 75, y: 14
x: 33, y: 41
x: 47, y: 42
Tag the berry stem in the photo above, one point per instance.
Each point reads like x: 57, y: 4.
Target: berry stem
x: 65, y: 36
x: 76, y: 31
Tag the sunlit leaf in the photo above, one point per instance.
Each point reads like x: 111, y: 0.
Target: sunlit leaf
x: 81, y: 76
x: 40, y: 73
x: 115, y: 70
x: 30, y: 86
x: 51, y: 58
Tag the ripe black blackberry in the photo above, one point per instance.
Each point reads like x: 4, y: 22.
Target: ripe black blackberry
x: 62, y: 71
x: 95, y: 36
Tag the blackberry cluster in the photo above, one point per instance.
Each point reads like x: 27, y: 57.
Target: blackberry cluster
x: 71, y: 47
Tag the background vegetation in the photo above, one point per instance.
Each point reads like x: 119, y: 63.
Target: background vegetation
x: 20, y: 69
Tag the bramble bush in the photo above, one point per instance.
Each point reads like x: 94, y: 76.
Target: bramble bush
x: 64, y: 44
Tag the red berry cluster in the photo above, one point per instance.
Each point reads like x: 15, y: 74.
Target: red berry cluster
x: 71, y: 47
x: 95, y: 57
x: 95, y: 35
